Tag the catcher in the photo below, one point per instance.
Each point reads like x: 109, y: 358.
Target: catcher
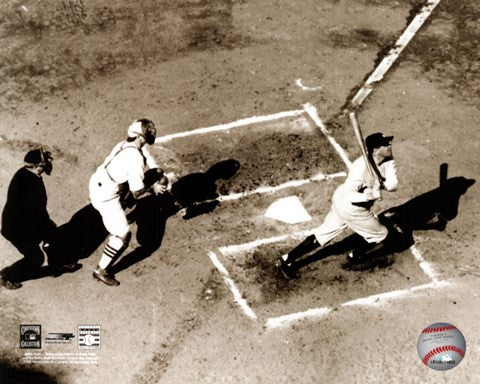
x: 123, y: 170
x: 351, y: 207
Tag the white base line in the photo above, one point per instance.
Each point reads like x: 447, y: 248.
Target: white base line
x: 286, y: 320
x: 234, y: 124
x: 231, y: 284
x: 425, y: 265
x: 392, y: 56
x: 375, y: 299
x: 283, y: 321
x: 266, y: 190
x: 312, y: 112
x: 232, y: 249
x: 288, y: 184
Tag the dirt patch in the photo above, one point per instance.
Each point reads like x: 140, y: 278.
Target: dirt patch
x: 54, y: 45
x: 451, y: 56
x: 302, y: 155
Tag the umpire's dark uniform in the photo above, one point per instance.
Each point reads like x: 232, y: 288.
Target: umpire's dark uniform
x: 25, y: 222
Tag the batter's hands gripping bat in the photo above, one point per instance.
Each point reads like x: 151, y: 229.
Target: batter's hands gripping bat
x: 375, y: 182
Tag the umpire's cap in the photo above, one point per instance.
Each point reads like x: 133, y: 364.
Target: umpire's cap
x: 36, y: 157
x: 377, y: 140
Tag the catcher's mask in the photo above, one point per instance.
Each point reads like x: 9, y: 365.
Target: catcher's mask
x: 39, y: 158
x: 145, y: 128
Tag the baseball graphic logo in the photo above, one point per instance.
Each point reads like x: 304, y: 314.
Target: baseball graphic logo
x: 441, y: 346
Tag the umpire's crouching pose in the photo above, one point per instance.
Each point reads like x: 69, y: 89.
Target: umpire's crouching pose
x: 26, y: 223
x: 351, y: 205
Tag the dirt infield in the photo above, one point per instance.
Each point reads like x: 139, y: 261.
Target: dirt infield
x: 76, y: 73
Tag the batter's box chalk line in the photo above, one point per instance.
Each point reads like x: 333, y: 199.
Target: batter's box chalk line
x: 308, y: 110
x: 232, y: 125
x: 316, y: 313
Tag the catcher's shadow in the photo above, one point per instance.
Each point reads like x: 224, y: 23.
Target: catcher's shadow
x: 431, y: 210
x: 150, y: 214
x: 79, y: 237
x: 197, y: 192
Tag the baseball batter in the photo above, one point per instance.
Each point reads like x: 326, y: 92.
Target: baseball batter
x: 351, y: 206
x: 123, y: 168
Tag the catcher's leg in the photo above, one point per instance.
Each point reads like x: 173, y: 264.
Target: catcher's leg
x: 116, y: 223
x: 112, y: 251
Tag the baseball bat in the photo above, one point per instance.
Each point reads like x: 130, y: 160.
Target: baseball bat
x: 363, y: 148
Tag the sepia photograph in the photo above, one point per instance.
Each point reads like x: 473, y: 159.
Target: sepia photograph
x: 239, y: 191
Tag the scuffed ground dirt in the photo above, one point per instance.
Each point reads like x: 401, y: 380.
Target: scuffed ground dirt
x: 75, y: 73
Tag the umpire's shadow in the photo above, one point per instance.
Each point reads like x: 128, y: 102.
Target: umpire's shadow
x: 197, y: 192
x: 150, y: 214
x: 431, y: 210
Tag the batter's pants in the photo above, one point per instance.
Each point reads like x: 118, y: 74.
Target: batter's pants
x: 361, y: 220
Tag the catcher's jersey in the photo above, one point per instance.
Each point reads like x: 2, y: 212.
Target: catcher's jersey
x: 352, y: 189
x: 125, y: 164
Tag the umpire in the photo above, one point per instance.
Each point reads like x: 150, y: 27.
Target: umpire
x: 25, y: 220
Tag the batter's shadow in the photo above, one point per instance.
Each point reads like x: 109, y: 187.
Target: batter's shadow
x: 196, y: 193
x: 431, y: 210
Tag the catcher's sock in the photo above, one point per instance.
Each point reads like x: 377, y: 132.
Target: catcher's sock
x: 306, y: 246
x: 111, y: 252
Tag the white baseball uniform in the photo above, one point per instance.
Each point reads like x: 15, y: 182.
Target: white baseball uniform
x: 350, y: 207
x: 125, y: 164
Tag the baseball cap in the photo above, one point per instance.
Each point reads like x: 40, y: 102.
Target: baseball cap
x: 135, y: 129
x: 377, y: 140
x: 141, y: 127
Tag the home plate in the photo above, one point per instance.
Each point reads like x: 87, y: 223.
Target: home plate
x: 289, y: 210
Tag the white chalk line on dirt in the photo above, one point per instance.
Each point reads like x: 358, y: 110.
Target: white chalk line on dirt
x: 234, y: 124
x: 425, y: 265
x: 288, y: 184
x: 266, y: 190
x: 231, y: 284
x: 312, y: 112
x: 374, y: 300
x: 299, y: 83
x: 286, y: 320
x: 380, y: 71
x: 231, y: 250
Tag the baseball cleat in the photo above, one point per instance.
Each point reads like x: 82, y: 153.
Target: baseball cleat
x: 105, y: 277
x: 354, y: 257
x: 288, y: 271
x: 67, y: 268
